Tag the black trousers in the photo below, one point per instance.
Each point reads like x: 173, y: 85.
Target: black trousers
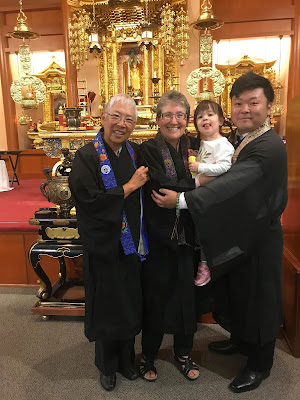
x: 260, y: 358
x: 111, y: 355
x: 151, y: 342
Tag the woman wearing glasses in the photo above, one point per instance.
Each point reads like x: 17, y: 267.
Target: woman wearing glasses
x: 168, y: 273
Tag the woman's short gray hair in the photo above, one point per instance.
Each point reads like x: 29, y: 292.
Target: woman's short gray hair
x: 173, y: 97
x: 124, y: 99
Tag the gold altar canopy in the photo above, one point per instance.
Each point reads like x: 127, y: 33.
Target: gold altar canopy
x: 137, y: 40
x: 234, y: 68
x: 54, y: 78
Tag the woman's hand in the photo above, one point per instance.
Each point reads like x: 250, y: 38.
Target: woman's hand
x: 167, y: 201
x: 138, y: 179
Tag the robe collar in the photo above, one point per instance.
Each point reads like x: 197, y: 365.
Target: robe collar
x: 266, y: 126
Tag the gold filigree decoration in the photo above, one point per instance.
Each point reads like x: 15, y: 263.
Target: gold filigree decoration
x: 206, y: 46
x: 78, y: 37
x: 25, y: 59
x: 182, y: 35
x: 62, y: 233
x: 124, y: 33
x: 170, y: 75
x: 28, y: 90
x: 167, y: 28
x: 277, y: 109
x: 23, y: 119
x: 195, y: 76
x: 35, y: 87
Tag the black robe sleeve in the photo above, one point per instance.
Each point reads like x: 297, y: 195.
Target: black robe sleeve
x: 233, y: 212
x: 99, y: 211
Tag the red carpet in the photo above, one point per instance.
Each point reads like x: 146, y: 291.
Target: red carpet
x: 19, y: 204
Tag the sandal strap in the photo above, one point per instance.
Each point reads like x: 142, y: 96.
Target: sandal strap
x: 147, y: 365
x: 187, y: 364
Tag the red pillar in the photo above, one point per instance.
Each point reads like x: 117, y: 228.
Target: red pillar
x: 6, y: 81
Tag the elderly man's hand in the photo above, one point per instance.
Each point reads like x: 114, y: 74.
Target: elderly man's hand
x: 138, y: 179
x: 167, y: 201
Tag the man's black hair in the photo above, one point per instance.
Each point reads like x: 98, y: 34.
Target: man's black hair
x: 251, y: 81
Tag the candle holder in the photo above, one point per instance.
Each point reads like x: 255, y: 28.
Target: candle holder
x: 156, y: 96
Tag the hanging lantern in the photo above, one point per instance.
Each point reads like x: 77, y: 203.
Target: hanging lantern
x: 94, y: 43
x: 95, y: 46
x: 147, y: 33
x: 146, y: 29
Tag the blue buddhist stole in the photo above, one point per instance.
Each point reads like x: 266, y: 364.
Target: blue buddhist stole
x: 110, y: 182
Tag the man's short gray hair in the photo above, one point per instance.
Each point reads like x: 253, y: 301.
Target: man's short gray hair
x: 124, y: 99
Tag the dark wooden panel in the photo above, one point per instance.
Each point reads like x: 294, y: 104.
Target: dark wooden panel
x: 236, y: 10
x: 13, y: 262
x: 15, y: 267
x: 291, y: 295
x: 31, y: 164
x: 253, y: 29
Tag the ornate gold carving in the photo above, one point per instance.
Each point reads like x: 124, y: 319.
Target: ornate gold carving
x: 27, y: 90
x: 120, y: 22
x: 182, y: 35
x: 41, y: 290
x: 166, y: 31
x: 205, y: 72
x: 23, y: 119
x: 54, y: 78
x: 233, y: 68
x: 25, y: 58
x: 32, y: 82
x: 62, y: 233
x: 170, y: 74
x: 78, y: 37
x: 206, y: 46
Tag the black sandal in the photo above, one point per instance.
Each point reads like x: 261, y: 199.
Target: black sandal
x: 185, y: 364
x: 146, y: 366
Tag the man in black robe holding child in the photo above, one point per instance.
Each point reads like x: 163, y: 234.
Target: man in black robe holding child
x: 237, y: 216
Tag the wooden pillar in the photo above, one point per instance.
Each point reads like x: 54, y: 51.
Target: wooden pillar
x: 6, y: 81
x: 294, y: 79
x: 71, y: 72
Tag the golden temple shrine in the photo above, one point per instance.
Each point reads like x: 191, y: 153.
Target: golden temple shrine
x: 61, y: 61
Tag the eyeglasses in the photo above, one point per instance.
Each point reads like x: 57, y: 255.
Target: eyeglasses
x: 118, y: 118
x: 169, y: 116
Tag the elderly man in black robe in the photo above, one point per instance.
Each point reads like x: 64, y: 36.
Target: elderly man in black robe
x: 238, y: 219
x: 105, y: 183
